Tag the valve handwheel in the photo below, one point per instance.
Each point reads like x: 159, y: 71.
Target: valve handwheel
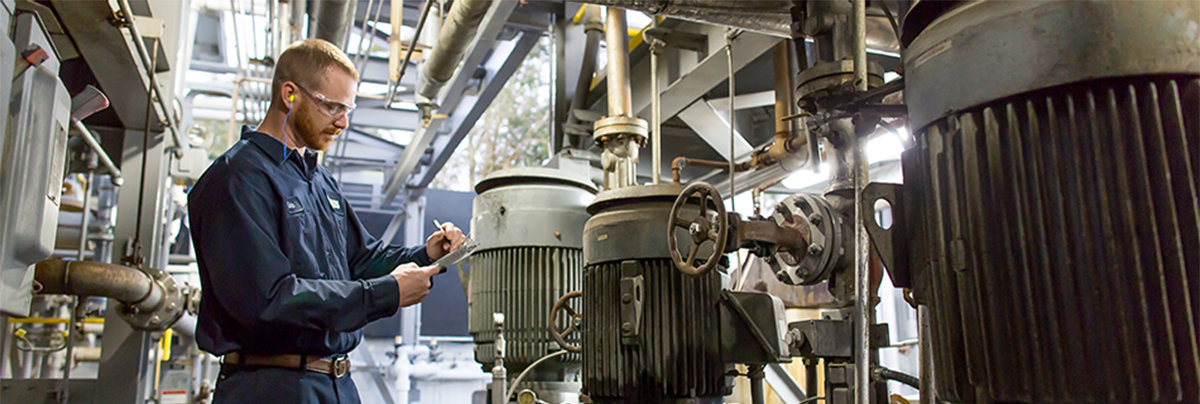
x: 701, y: 229
x: 560, y: 335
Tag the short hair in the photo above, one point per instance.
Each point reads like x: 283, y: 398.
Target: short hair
x: 304, y: 60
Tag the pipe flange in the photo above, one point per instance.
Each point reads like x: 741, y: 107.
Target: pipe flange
x: 610, y: 126
x: 168, y: 310
x: 825, y: 230
x: 831, y: 78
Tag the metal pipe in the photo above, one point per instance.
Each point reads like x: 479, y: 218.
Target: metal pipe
x: 756, y: 384
x: 332, y: 20
x: 412, y: 45
x: 620, y: 102
x: 594, y: 27
x: 782, y: 63
x: 679, y: 162
x: 729, y: 34
x: 459, y: 30
x: 655, y: 109
x: 87, y: 278
x: 107, y: 162
x: 299, y: 11
x: 863, y: 303
x: 180, y: 143
x: 771, y: 17
x: 925, y: 350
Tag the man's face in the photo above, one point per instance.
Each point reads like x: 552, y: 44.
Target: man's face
x: 315, y: 126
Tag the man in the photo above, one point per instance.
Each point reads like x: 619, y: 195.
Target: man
x: 289, y: 273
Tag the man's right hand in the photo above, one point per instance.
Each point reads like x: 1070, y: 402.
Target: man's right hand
x: 414, y: 282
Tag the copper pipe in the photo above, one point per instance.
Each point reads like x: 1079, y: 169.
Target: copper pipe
x: 679, y: 162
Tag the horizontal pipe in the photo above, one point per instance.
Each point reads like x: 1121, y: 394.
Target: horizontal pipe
x: 679, y: 162
x: 771, y: 17
x: 88, y: 278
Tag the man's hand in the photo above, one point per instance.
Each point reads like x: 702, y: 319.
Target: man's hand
x: 444, y: 241
x: 414, y: 282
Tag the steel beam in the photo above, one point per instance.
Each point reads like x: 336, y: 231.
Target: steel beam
x: 695, y: 78
x: 450, y: 95
x: 467, y: 114
x: 713, y: 128
x: 782, y: 383
x: 386, y: 118
x: 745, y: 101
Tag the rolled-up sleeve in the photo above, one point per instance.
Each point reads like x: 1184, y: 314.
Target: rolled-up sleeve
x: 371, y: 257
x: 236, y: 231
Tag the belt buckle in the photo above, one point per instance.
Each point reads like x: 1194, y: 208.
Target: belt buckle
x: 341, y: 366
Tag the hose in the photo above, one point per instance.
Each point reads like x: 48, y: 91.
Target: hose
x: 889, y: 374
x: 517, y: 382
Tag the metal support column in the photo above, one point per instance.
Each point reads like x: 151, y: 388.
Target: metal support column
x: 125, y: 351
x: 414, y: 234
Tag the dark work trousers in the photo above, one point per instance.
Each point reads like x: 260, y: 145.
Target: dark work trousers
x: 272, y: 385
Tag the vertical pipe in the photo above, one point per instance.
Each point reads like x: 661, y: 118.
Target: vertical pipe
x: 810, y: 377
x: 656, y: 119
x: 729, y: 33
x: 862, y: 291
x: 756, y: 384
x: 783, y: 70
x: 925, y: 350
x: 620, y: 102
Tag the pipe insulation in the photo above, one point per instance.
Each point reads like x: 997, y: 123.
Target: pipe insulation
x: 462, y: 22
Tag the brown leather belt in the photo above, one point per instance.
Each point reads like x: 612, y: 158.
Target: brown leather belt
x: 337, y: 367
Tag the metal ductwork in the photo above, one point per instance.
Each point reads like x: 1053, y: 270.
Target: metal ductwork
x: 456, y: 33
x: 771, y: 17
x: 331, y: 20
x: 150, y: 300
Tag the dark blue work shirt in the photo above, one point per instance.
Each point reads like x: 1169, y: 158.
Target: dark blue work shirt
x: 285, y: 265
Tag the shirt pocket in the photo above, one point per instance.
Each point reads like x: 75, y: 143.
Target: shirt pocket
x: 297, y: 238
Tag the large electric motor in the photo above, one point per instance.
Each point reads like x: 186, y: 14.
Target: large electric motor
x: 1053, y: 198
x: 529, y: 226
x: 650, y: 332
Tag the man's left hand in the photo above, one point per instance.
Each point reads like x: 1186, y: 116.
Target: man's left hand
x: 444, y: 241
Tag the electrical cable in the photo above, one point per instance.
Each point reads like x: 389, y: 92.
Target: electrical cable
x: 811, y: 399
x: 517, y: 382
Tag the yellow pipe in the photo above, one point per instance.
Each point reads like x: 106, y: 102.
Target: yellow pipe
x: 40, y: 320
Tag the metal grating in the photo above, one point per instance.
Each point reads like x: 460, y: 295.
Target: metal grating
x: 523, y: 283
x: 679, y: 351
x: 1062, y: 236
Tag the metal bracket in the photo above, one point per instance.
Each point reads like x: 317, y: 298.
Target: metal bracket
x: 632, y: 294
x: 893, y: 251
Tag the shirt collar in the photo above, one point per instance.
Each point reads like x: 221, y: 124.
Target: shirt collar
x: 274, y: 149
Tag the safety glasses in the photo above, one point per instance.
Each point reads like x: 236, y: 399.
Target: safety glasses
x: 334, y: 109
